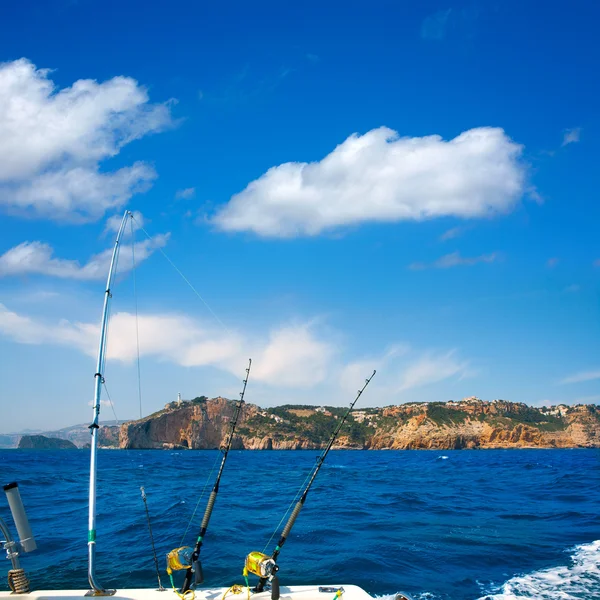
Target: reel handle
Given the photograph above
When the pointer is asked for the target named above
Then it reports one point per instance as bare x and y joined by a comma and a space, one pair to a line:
187, 582
198, 573
274, 587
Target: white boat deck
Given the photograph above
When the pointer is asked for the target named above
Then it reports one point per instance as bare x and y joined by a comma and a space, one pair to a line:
299, 592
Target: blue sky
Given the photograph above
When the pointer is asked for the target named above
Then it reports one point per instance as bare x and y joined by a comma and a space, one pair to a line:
407, 187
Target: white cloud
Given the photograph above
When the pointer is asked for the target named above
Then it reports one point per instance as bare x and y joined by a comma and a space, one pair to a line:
401, 368
452, 234
185, 194
380, 177
52, 142
292, 355
352, 376
455, 260
113, 223
432, 368
571, 136
31, 258
581, 377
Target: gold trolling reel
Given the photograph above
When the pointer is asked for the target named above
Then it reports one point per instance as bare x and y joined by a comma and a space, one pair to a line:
266, 568
182, 559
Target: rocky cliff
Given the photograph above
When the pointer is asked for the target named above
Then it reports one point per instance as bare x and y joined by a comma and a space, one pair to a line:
41, 442
471, 423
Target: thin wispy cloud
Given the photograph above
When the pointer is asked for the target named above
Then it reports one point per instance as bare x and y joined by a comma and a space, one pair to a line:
433, 368
571, 136
53, 142
573, 288
434, 26
185, 194
581, 377
452, 234
597, 263
313, 57
290, 355
401, 368
455, 260
381, 177
37, 258
552, 262
293, 355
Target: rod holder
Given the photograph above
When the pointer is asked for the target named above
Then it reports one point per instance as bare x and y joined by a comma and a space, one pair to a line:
19, 515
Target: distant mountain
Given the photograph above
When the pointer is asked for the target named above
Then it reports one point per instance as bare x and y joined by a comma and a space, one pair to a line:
78, 434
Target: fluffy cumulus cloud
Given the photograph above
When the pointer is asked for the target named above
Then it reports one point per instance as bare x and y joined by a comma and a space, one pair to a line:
113, 223
291, 355
37, 258
381, 177
52, 142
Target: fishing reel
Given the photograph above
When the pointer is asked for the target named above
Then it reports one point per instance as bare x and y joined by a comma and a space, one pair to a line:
266, 568
182, 559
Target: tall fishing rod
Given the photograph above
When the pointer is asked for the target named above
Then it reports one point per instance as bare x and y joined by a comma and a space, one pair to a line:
97, 589
266, 566
180, 558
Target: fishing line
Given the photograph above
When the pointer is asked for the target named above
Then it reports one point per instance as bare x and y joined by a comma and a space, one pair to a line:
186, 558
137, 330
212, 312
200, 497
288, 510
160, 585
266, 567
110, 400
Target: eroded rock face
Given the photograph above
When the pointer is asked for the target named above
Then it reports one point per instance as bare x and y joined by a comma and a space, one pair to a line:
471, 423
197, 426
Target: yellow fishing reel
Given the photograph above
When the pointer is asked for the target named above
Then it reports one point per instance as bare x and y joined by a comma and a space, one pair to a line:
266, 568
179, 559
260, 564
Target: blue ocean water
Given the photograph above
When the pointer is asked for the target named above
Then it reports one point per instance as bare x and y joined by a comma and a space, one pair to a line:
441, 525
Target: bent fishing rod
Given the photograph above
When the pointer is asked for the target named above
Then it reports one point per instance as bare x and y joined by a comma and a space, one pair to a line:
180, 558
266, 566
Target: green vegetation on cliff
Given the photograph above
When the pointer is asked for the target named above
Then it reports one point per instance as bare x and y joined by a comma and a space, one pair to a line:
470, 423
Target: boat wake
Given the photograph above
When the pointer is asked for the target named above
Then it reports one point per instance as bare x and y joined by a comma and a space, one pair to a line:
578, 581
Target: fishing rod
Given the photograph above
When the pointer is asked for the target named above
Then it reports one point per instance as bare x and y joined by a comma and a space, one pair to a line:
185, 557
266, 566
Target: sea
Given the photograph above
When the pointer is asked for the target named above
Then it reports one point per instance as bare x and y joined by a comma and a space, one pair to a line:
439, 525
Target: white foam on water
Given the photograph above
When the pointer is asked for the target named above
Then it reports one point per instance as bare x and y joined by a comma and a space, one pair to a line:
578, 581
442, 457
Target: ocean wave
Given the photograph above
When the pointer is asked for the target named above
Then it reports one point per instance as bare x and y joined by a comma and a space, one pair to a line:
578, 581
